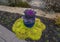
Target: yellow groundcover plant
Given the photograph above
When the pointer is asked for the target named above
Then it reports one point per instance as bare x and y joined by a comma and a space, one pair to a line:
23, 32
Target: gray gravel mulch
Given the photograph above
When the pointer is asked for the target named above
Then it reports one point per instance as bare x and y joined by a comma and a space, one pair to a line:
7, 19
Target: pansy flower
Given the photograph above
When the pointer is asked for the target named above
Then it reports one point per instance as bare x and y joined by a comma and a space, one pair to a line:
30, 13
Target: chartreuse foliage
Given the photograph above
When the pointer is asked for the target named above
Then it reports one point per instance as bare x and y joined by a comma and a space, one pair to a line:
20, 4
57, 21
23, 32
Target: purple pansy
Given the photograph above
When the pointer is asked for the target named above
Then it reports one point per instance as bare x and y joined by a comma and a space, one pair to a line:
30, 13
29, 18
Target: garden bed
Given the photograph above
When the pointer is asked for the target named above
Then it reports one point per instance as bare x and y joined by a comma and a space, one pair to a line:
51, 34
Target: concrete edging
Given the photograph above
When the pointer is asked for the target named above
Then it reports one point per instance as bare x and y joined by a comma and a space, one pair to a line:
21, 10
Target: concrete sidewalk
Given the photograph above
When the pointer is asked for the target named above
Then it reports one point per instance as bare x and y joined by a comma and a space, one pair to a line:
8, 36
